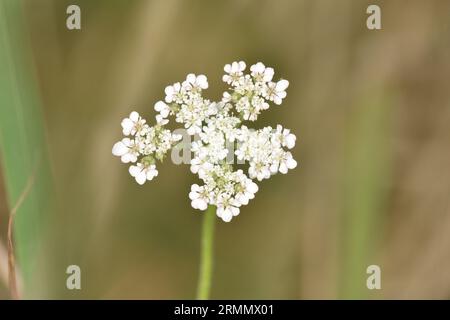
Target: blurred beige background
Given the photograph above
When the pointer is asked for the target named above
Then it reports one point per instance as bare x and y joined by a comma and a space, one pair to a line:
371, 110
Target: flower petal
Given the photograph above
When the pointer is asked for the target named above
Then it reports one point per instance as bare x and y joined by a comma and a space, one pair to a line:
226, 215
141, 177
202, 81
291, 163
134, 116
160, 105
282, 85
119, 149
127, 126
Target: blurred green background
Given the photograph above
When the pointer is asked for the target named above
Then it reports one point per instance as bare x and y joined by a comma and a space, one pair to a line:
371, 110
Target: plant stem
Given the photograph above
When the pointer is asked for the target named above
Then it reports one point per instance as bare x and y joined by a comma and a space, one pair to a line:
206, 258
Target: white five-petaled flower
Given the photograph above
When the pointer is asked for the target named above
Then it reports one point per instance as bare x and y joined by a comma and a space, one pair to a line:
218, 128
175, 93
227, 207
194, 82
246, 188
162, 108
142, 172
133, 125
127, 150
287, 162
276, 91
286, 137
259, 171
234, 72
261, 73
199, 197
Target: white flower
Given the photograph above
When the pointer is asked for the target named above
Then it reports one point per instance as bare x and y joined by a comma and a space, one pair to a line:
199, 197
261, 73
143, 172
175, 93
259, 171
226, 97
162, 108
251, 109
276, 92
287, 138
243, 106
193, 112
133, 125
287, 162
201, 165
245, 85
227, 207
164, 112
194, 82
234, 72
246, 188
127, 150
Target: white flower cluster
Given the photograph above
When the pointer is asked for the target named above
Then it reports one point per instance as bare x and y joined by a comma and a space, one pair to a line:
220, 135
142, 146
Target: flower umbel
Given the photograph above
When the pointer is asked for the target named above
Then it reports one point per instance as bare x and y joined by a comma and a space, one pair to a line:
217, 127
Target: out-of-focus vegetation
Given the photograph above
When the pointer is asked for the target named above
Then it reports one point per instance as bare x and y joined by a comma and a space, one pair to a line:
370, 109
23, 150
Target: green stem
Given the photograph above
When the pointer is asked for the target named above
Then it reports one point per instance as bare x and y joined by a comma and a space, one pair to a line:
206, 259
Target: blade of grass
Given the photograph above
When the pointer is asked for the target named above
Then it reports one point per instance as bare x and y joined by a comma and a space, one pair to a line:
366, 179
22, 143
12, 280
